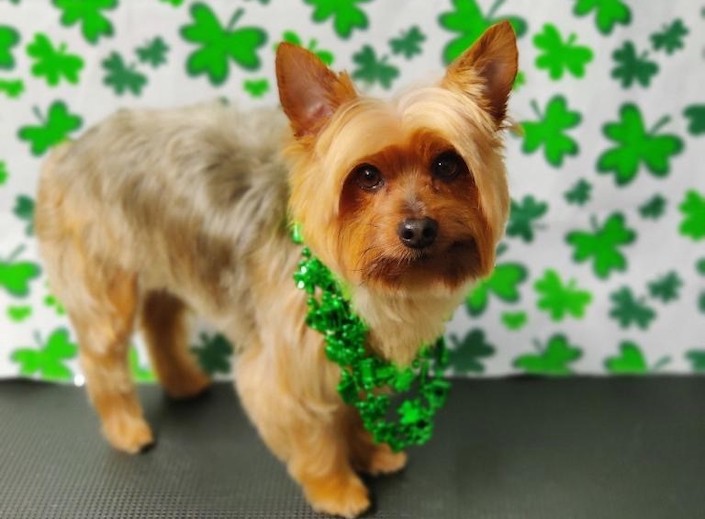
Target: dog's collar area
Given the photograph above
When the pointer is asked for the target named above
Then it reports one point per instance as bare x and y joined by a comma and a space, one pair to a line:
365, 379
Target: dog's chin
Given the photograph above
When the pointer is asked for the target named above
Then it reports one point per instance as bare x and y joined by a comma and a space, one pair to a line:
449, 267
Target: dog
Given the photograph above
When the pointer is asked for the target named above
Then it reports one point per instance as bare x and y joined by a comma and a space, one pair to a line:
152, 214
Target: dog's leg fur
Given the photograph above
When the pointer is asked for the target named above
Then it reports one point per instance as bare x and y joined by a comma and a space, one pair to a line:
366, 455
163, 323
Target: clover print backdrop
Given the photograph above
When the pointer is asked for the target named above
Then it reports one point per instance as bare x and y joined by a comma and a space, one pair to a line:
603, 266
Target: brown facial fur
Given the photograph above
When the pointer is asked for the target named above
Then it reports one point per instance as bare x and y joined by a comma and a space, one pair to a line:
154, 213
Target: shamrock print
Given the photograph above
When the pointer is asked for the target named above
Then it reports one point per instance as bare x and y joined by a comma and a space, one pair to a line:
671, 38
15, 276
558, 57
631, 361
121, 77
632, 67
696, 119
514, 320
693, 209
628, 310
503, 283
666, 288
466, 355
89, 15
54, 129
468, 20
608, 13
408, 44
637, 145
24, 210
347, 15
602, 245
153, 53
653, 208
522, 216
549, 131
213, 353
9, 37
12, 88
579, 194
48, 358
3, 173
554, 358
219, 45
256, 87
559, 299
372, 69
53, 64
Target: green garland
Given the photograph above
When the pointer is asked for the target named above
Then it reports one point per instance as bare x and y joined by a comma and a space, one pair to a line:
365, 379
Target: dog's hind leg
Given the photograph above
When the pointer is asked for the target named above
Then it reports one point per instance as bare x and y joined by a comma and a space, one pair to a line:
163, 323
104, 327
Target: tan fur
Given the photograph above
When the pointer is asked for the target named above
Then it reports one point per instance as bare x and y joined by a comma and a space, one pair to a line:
154, 213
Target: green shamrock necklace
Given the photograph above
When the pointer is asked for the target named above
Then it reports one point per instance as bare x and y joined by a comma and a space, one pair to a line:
365, 380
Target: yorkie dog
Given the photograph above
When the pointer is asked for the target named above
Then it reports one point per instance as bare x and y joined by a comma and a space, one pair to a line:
153, 213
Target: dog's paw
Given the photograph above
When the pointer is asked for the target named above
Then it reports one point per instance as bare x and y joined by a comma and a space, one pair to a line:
385, 461
340, 496
191, 384
128, 434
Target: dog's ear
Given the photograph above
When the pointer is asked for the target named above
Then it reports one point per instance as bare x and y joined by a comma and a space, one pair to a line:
493, 61
308, 91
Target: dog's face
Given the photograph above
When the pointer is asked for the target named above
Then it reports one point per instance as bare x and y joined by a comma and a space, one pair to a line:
405, 195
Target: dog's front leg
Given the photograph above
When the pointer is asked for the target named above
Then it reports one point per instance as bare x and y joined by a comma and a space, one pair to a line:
306, 430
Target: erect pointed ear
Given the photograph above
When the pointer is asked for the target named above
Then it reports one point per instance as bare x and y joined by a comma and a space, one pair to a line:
493, 61
308, 91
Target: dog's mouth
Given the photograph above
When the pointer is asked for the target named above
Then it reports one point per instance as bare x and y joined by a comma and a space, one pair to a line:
451, 265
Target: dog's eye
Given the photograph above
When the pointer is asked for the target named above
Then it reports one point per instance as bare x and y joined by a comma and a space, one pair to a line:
447, 165
368, 177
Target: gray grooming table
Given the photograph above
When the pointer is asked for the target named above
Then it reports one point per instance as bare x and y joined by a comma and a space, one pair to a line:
504, 448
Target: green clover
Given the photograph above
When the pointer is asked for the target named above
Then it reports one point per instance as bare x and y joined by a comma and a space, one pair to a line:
467, 19
121, 77
174, 3
24, 210
153, 52
503, 283
53, 130
666, 287
559, 299
325, 56
522, 217
12, 88
631, 361
579, 194
696, 119
139, 373
700, 266
372, 69
608, 13
693, 209
16, 275
514, 320
670, 39
550, 131
465, 356
602, 245
19, 313
697, 359
553, 359
256, 87
218, 44
213, 353
88, 13
632, 67
9, 37
557, 56
653, 208
636, 146
628, 310
53, 64
3, 172
408, 44
346, 14
48, 359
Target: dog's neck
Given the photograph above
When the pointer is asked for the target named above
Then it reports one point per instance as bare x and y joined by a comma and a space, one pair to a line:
401, 323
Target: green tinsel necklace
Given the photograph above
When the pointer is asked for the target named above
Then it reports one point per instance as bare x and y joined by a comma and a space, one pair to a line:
365, 380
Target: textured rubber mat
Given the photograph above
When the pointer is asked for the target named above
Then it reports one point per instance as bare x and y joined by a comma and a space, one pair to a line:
510, 448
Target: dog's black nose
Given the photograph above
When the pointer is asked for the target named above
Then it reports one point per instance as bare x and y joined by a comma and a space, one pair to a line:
418, 233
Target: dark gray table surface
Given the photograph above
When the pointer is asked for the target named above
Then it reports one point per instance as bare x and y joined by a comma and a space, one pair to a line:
504, 448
